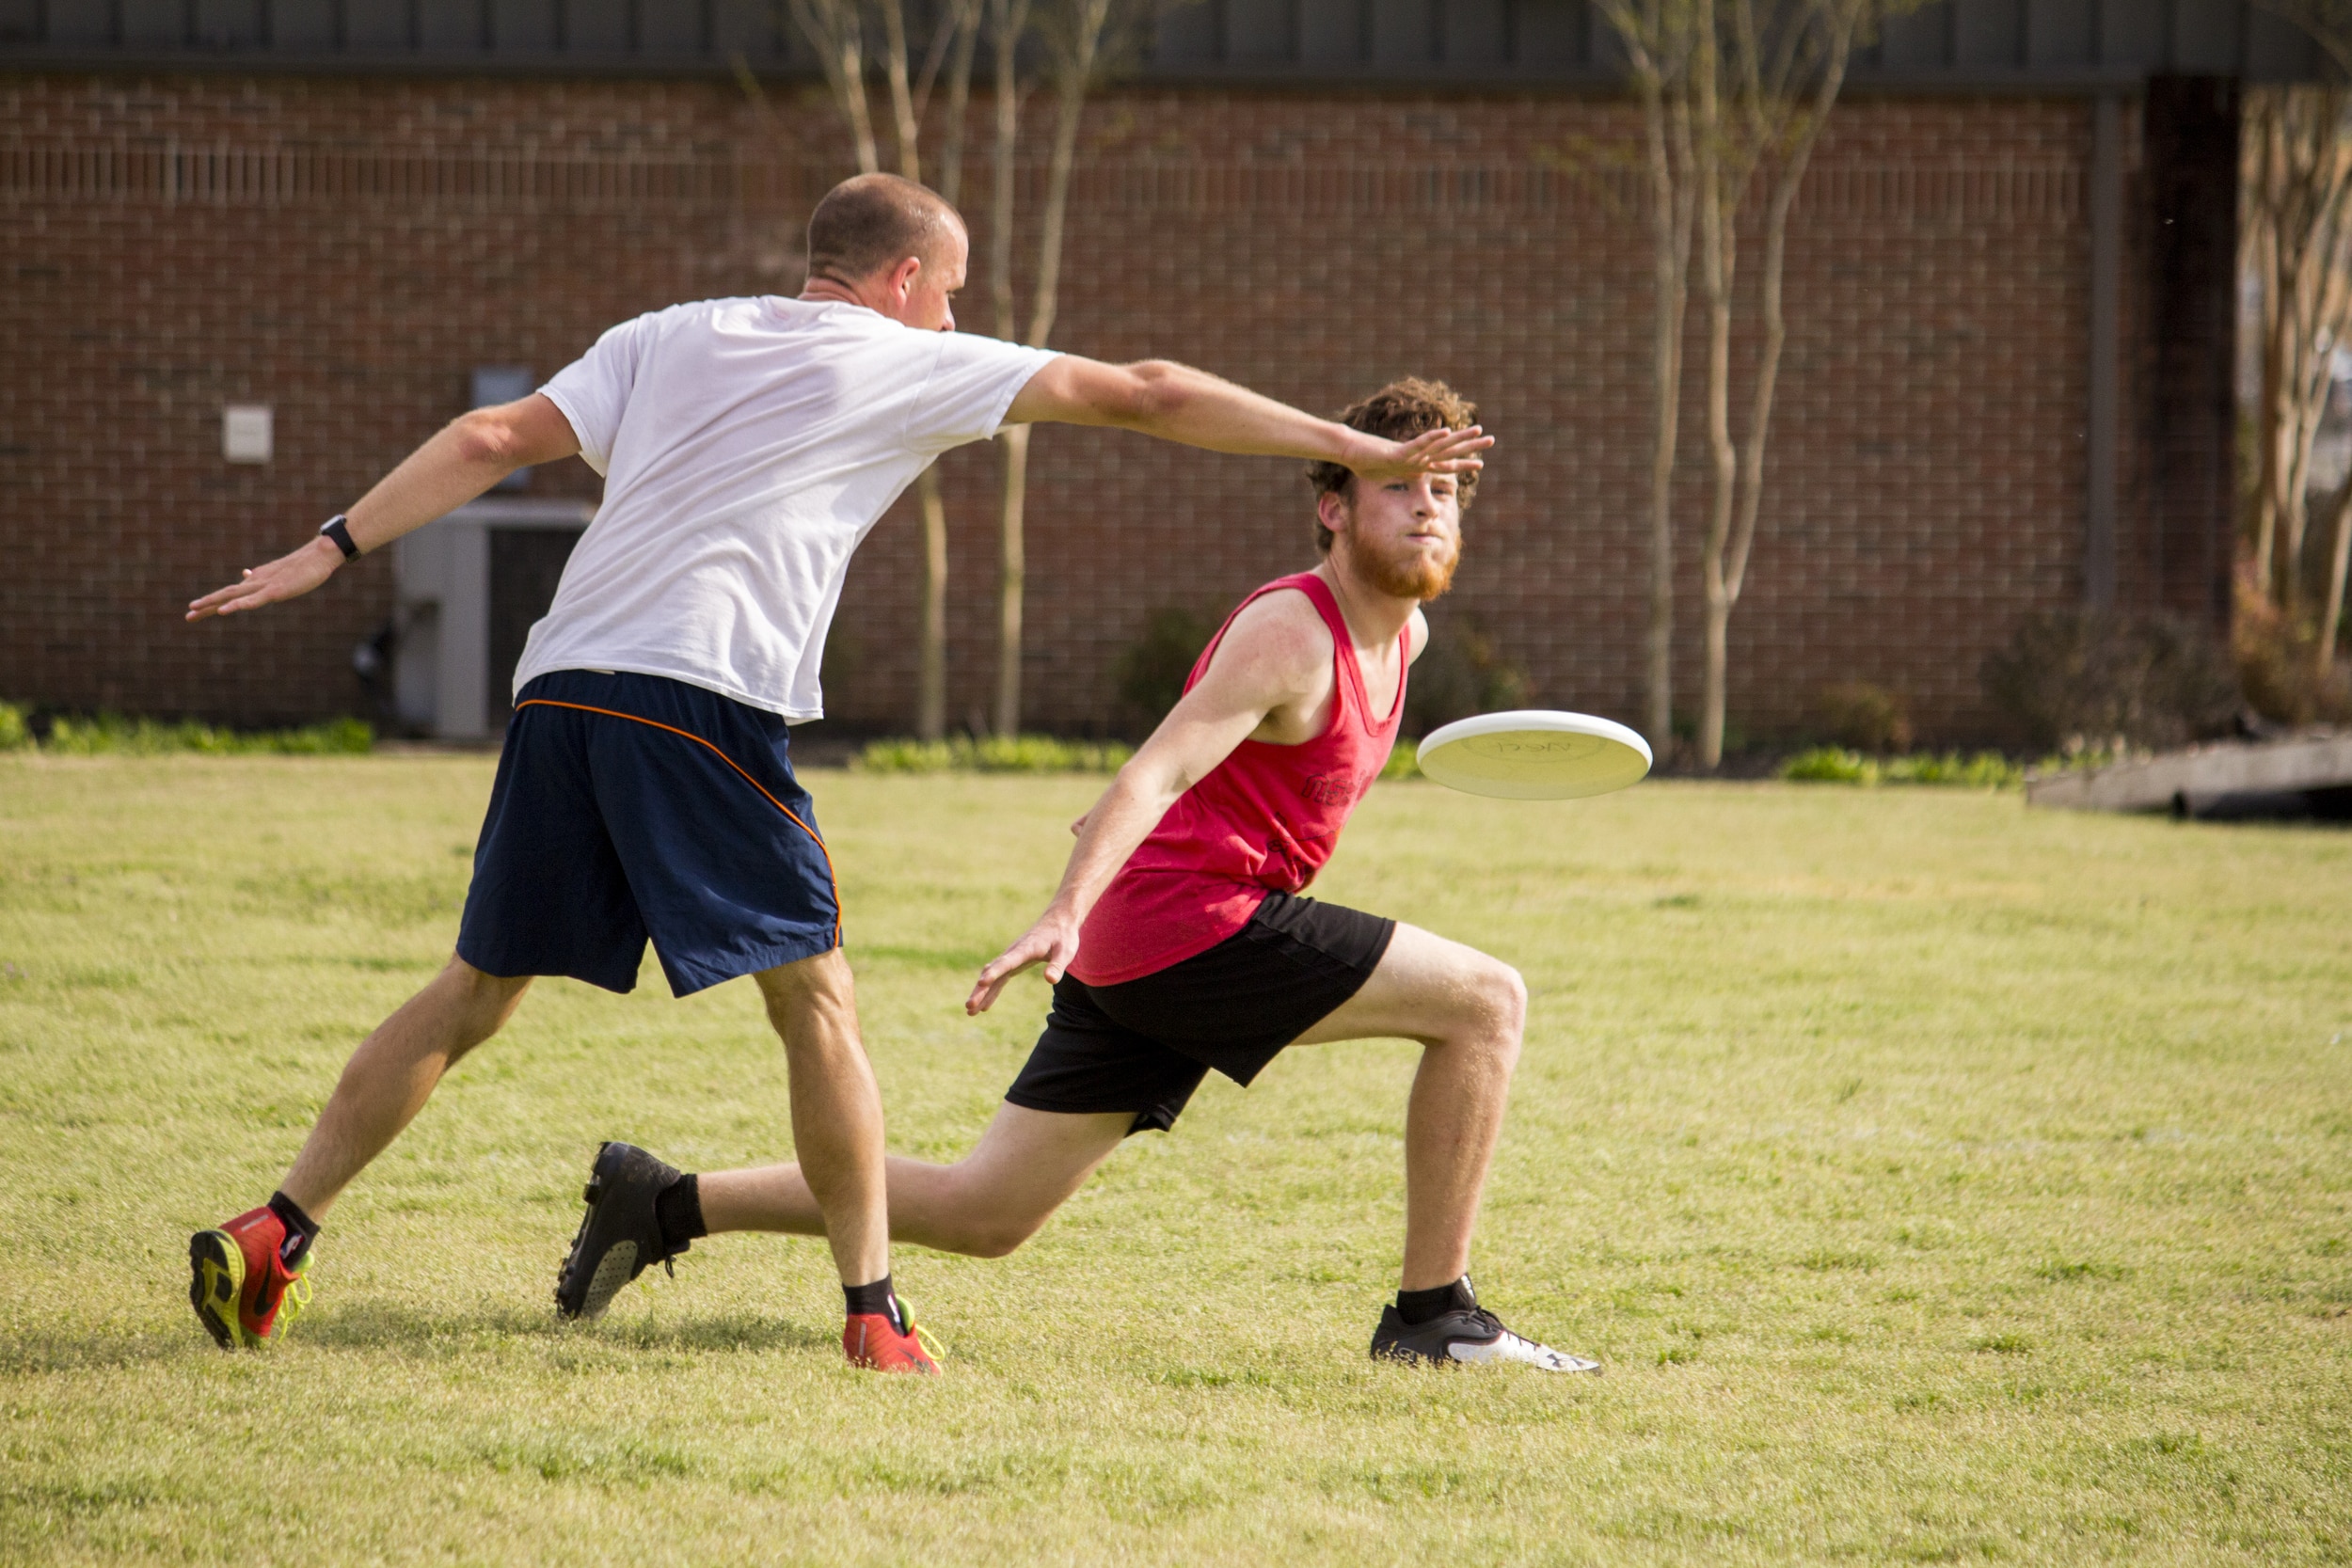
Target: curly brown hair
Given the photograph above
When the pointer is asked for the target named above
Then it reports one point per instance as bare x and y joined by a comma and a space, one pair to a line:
1398, 412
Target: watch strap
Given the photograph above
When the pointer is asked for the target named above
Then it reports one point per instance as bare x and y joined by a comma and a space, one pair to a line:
338, 527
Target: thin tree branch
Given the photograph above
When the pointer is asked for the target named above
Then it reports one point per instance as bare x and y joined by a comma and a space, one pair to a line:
833, 29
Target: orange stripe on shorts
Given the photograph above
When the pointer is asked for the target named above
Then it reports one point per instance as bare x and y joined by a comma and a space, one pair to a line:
829, 877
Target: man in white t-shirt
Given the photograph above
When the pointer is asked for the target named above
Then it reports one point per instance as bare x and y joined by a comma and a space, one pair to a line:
646, 788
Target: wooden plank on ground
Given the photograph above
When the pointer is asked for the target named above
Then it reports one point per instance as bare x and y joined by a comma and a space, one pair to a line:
2158, 784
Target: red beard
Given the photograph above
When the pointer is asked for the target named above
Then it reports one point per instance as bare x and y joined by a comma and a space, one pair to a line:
1408, 574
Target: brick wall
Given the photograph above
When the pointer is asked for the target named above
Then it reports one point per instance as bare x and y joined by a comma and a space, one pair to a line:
345, 250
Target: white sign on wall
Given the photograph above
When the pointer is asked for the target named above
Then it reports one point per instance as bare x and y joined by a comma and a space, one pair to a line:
245, 432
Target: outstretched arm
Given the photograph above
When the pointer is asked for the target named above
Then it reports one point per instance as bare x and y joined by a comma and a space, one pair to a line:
1177, 402
470, 454
1269, 656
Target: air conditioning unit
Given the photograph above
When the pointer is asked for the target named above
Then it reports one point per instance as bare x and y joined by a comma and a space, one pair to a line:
469, 586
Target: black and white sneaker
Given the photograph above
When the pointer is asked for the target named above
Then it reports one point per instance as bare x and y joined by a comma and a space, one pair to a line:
620, 1237
1468, 1333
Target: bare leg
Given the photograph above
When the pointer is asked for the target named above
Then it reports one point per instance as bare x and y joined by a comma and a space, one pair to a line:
836, 1109
391, 1075
1024, 1166
1467, 1011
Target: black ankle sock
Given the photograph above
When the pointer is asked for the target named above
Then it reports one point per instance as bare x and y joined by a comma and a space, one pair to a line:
1420, 1307
301, 1229
877, 1297
678, 1210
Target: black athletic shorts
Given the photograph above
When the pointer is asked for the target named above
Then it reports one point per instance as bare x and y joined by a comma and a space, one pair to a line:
1145, 1044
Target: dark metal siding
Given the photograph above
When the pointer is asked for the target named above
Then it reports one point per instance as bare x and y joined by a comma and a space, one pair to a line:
457, 37
2065, 45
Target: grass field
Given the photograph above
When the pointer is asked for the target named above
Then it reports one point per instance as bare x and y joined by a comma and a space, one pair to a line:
1940, 1181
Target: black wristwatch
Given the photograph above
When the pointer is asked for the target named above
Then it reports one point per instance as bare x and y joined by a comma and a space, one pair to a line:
338, 528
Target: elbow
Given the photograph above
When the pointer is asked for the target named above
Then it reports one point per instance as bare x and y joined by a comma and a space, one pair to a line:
1151, 782
485, 440
1151, 393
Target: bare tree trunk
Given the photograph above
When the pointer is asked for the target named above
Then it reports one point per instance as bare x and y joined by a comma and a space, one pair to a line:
1012, 576
1657, 37
959, 101
1074, 69
2297, 220
2264, 244
2331, 617
1008, 21
834, 29
905, 122
1794, 160
1076, 76
930, 681
1718, 263
2332, 308
930, 684
930, 691
1780, 105
1670, 201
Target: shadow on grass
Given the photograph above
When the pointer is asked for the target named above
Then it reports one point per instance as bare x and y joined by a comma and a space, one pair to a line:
388, 1326
382, 1324
68, 1352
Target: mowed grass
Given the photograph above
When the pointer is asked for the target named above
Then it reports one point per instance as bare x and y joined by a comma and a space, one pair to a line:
1940, 1181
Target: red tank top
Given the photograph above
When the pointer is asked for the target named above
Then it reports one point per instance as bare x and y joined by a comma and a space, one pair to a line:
1267, 817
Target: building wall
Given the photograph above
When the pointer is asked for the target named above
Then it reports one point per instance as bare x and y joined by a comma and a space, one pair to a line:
346, 249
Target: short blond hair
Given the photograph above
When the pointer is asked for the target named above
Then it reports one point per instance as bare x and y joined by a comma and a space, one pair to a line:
872, 221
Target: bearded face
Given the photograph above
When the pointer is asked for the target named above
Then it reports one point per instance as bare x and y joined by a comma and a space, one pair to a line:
1401, 549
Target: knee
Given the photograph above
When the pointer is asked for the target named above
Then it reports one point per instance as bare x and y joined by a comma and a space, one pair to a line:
986, 1234
998, 1240
481, 1002
813, 986
1502, 1009
1504, 997
985, 1226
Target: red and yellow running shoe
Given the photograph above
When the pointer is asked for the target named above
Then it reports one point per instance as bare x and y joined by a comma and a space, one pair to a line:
243, 1290
873, 1340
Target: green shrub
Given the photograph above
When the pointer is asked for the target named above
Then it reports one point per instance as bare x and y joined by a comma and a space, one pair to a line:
1986, 771
1027, 753
1460, 674
335, 738
2276, 656
2080, 676
1864, 718
2089, 758
1405, 762
15, 734
1149, 673
1830, 765
112, 735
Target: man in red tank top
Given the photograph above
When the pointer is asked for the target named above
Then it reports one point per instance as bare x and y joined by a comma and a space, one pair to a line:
1177, 941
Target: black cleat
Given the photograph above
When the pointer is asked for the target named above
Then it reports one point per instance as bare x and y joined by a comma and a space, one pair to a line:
620, 1236
1469, 1332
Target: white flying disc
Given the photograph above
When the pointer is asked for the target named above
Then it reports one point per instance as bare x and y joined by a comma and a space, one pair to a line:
1535, 755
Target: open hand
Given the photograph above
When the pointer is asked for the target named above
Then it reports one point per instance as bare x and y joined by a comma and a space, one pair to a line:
1433, 451
288, 577
1053, 941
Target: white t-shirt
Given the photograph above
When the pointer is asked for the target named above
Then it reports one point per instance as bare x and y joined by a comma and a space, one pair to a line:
748, 446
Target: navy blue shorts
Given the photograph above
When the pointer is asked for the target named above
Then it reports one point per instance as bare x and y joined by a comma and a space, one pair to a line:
630, 806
